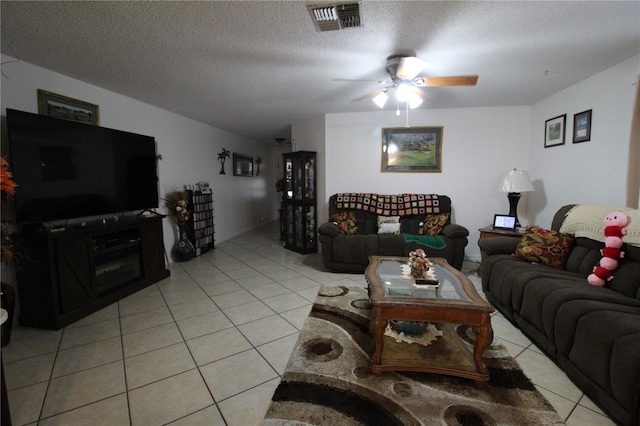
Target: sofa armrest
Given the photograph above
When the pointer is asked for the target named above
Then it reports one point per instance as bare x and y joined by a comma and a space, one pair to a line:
329, 229
498, 245
454, 231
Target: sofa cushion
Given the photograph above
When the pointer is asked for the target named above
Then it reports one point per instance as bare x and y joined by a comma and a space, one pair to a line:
544, 246
410, 224
584, 255
346, 222
618, 334
433, 224
390, 245
355, 249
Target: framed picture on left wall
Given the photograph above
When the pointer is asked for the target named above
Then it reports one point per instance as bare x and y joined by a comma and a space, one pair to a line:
554, 130
59, 106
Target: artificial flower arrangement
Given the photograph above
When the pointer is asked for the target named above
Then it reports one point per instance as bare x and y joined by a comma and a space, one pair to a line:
419, 263
8, 187
280, 185
176, 203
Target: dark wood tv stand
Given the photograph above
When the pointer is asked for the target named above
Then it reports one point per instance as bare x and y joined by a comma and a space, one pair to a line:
68, 274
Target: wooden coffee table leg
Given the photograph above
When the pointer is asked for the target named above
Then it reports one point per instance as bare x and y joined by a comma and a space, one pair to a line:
484, 337
376, 327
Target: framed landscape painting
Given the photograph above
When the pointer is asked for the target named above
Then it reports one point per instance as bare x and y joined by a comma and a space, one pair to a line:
412, 149
59, 106
554, 131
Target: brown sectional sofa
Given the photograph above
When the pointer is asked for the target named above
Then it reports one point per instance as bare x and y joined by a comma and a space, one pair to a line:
350, 253
592, 333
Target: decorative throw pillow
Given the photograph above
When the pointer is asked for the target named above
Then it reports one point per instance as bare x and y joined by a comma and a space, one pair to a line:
389, 228
387, 219
346, 222
433, 224
544, 246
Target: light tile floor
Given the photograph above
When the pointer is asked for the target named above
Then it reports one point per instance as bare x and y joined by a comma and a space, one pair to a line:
206, 346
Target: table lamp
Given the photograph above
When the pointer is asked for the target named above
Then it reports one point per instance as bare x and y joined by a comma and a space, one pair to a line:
514, 182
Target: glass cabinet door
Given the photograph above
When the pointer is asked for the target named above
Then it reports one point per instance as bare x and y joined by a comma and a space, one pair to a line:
300, 177
288, 178
309, 178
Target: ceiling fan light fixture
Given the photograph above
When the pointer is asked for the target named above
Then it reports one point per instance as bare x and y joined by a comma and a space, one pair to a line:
381, 98
414, 100
404, 92
409, 67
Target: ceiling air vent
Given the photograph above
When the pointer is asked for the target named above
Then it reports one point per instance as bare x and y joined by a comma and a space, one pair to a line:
335, 16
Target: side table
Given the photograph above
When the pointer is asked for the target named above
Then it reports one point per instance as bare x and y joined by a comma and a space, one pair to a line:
489, 232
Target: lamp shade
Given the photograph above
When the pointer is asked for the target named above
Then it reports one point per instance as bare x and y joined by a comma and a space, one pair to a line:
381, 98
515, 181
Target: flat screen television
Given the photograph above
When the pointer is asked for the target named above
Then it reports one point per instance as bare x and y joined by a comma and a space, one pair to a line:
68, 170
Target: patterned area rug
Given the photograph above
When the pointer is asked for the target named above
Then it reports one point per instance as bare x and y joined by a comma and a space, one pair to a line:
327, 380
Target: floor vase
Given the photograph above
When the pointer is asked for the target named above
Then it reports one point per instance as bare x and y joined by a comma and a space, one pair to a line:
183, 250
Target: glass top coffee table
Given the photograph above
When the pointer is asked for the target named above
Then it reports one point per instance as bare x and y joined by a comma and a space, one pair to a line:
453, 306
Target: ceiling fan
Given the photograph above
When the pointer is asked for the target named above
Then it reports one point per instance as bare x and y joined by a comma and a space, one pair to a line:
404, 71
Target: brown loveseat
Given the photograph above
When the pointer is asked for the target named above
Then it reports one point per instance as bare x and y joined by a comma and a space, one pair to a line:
592, 333
356, 229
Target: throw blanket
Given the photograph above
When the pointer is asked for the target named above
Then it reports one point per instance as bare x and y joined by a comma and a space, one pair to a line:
390, 205
431, 241
587, 220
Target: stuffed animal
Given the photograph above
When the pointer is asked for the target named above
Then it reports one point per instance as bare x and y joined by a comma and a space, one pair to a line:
614, 224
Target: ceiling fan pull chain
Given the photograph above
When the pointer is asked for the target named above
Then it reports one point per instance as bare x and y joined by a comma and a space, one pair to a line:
407, 119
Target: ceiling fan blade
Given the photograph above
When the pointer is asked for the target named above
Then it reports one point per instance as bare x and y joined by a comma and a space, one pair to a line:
368, 95
349, 80
467, 80
409, 67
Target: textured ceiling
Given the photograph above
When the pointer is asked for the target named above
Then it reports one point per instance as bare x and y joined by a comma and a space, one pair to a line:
255, 67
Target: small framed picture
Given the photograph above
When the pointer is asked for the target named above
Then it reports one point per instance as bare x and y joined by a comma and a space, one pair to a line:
59, 106
242, 165
554, 130
582, 127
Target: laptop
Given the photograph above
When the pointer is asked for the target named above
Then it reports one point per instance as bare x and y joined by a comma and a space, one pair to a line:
501, 221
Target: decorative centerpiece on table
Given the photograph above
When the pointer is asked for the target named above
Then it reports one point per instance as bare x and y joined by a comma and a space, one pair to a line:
419, 263
176, 203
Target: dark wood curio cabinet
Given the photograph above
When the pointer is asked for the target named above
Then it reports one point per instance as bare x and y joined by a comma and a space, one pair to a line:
300, 206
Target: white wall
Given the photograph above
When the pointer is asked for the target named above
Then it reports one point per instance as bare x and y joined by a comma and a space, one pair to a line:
591, 172
189, 148
478, 145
